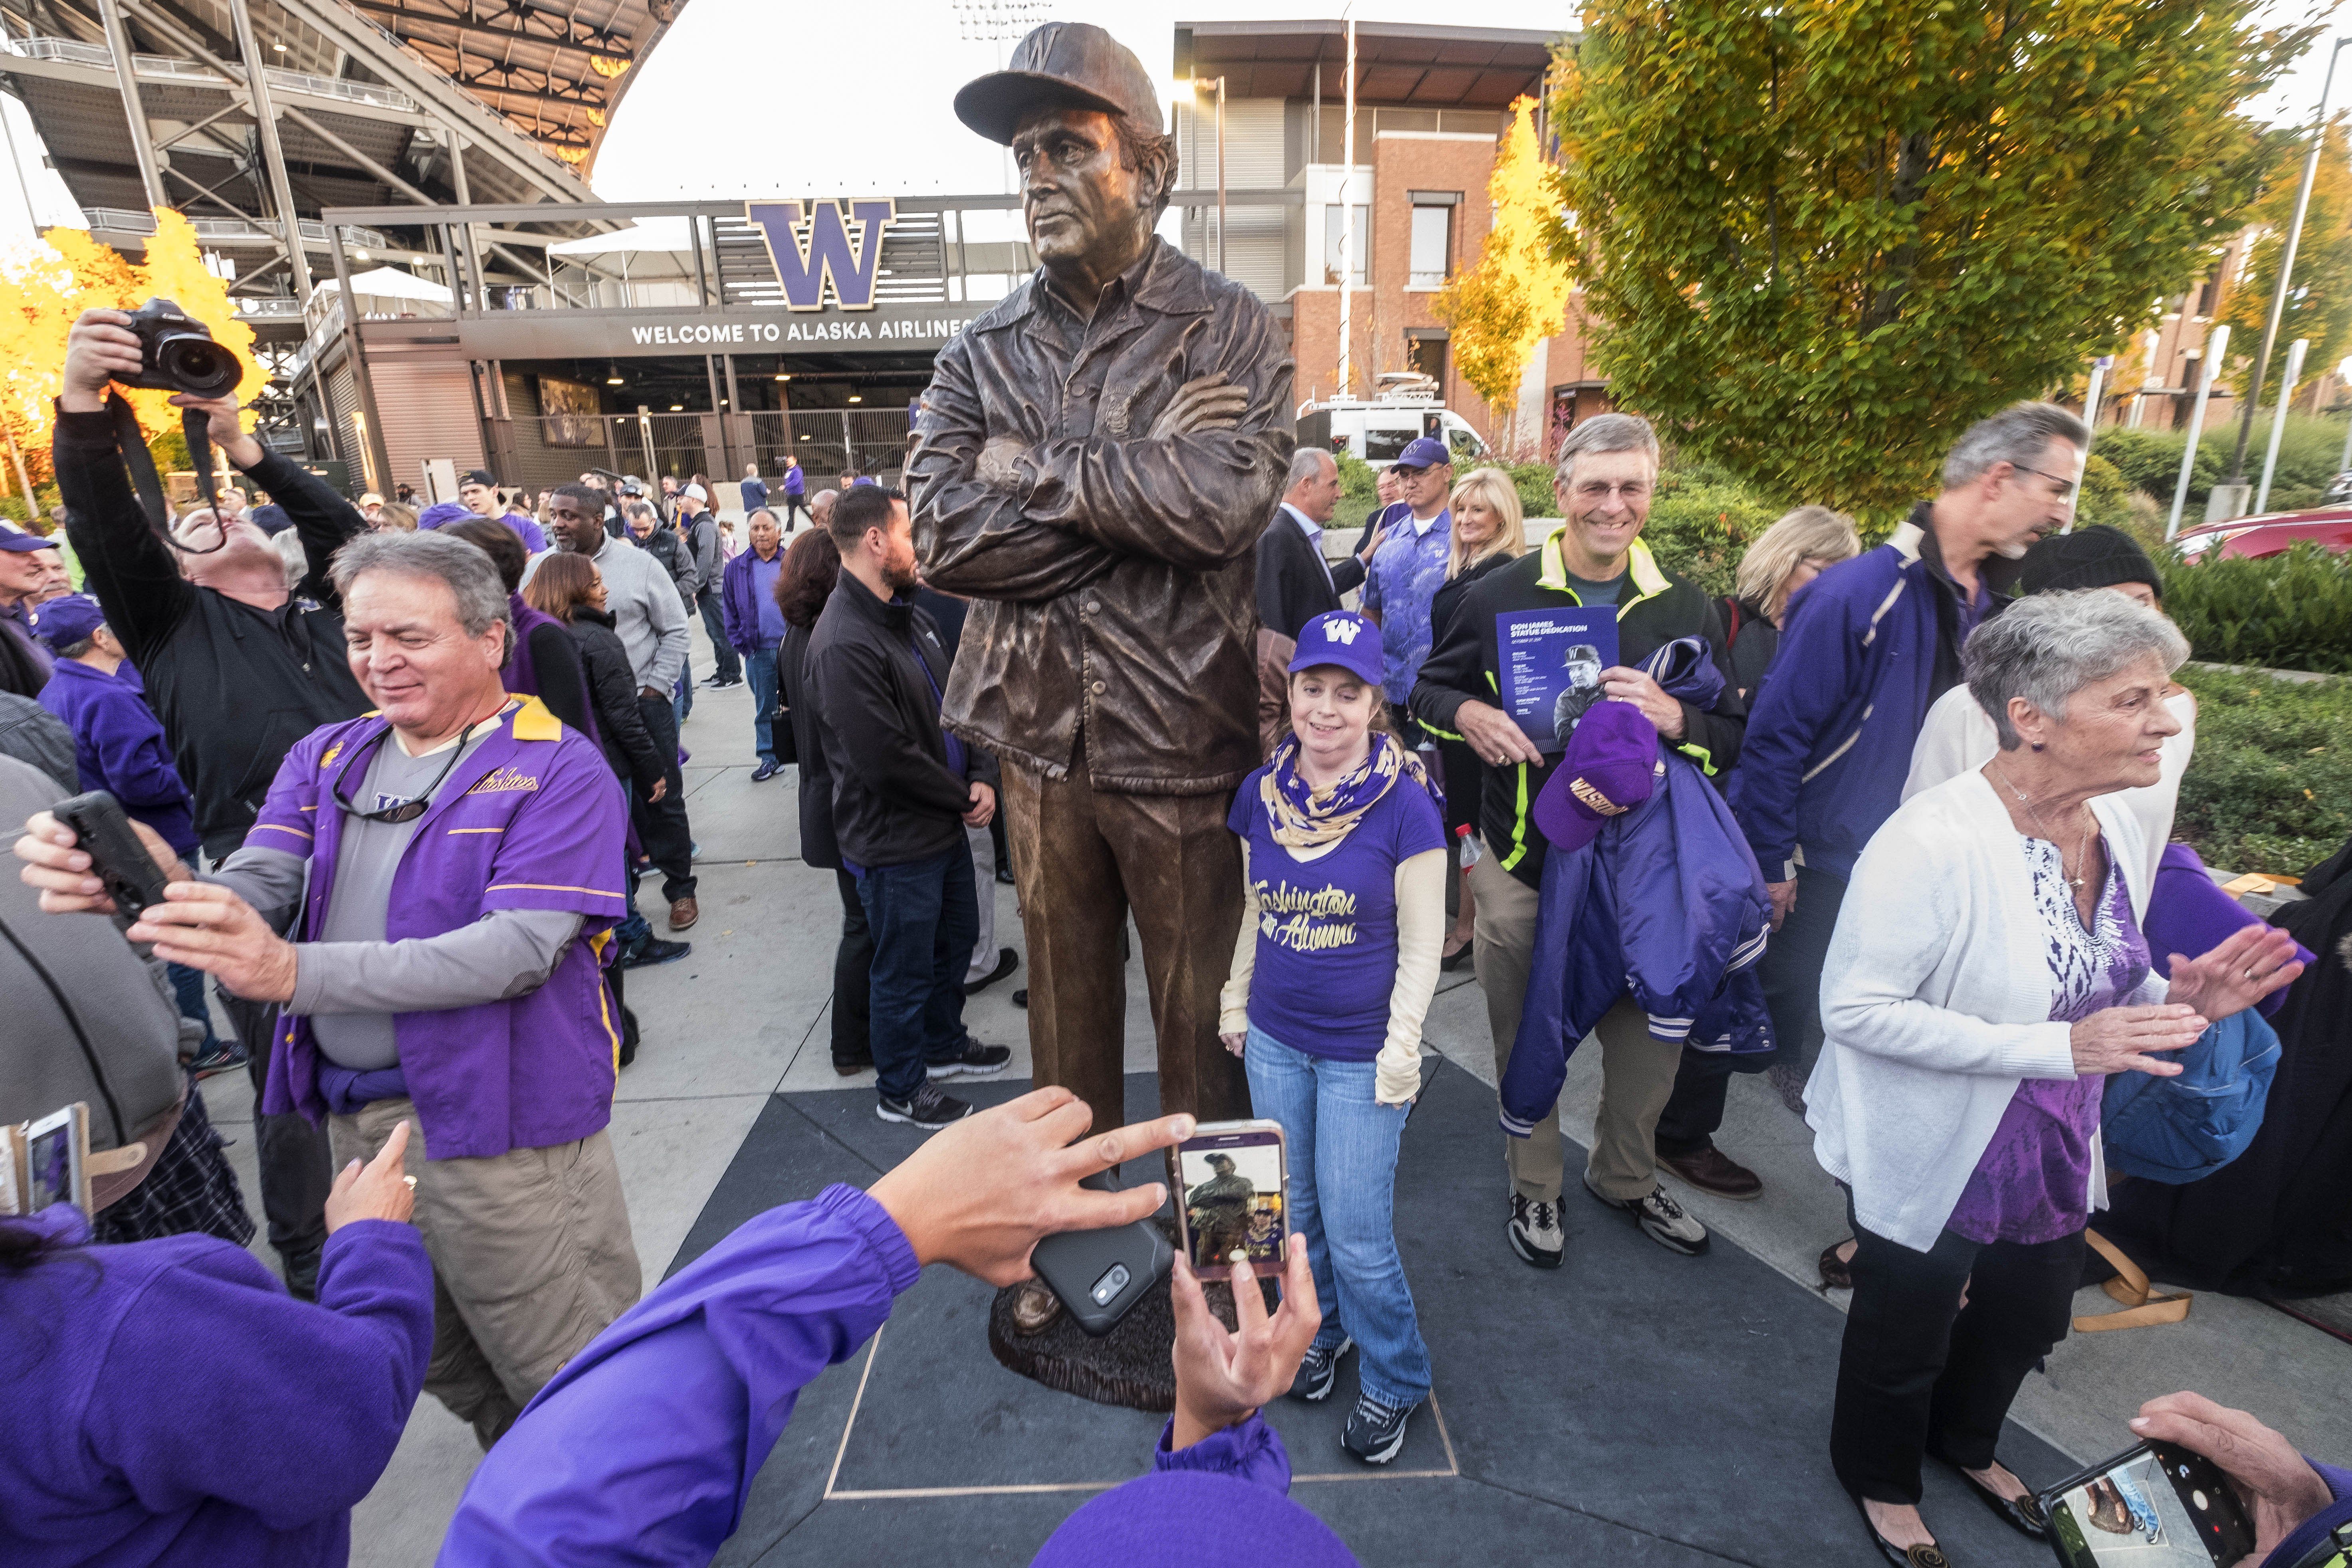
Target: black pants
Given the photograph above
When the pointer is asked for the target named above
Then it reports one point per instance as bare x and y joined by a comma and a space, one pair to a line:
1694, 1109
853, 978
1920, 1373
1790, 970
296, 1169
714, 621
794, 506
662, 826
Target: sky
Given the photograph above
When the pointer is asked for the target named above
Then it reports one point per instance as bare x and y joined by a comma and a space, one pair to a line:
750, 98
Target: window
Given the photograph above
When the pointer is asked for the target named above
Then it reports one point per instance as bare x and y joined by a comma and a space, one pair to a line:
1359, 244
1424, 350
1433, 239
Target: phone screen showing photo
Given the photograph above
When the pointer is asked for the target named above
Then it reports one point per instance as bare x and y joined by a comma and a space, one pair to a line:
51, 1178
1233, 1198
2155, 1508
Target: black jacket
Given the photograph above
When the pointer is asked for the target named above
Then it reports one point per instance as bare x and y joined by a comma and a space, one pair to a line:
818, 846
1462, 667
1293, 588
613, 688
1752, 639
876, 667
665, 546
235, 687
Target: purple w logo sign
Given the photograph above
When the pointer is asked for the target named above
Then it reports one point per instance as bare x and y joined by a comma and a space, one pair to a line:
814, 254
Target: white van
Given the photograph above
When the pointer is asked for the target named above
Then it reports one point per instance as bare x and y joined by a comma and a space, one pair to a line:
1377, 432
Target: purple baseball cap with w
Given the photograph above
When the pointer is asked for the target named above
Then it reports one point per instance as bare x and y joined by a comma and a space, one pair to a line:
1340, 638
1607, 771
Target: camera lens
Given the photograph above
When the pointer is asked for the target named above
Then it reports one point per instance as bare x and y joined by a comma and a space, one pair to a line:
197, 365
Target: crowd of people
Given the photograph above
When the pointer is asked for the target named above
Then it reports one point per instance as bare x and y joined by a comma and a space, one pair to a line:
1891, 826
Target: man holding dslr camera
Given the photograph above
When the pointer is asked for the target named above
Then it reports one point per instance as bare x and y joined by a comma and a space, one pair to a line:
236, 666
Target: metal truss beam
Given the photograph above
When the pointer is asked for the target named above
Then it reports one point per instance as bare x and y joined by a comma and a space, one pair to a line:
401, 18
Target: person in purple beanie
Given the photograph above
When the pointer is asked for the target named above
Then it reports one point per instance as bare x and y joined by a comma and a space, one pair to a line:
100, 1464
644, 1446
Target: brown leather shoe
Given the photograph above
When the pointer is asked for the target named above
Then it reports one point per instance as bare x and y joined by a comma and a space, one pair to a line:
683, 913
1034, 1307
1714, 1171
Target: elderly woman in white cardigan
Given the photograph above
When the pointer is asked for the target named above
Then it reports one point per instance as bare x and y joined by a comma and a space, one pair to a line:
1987, 974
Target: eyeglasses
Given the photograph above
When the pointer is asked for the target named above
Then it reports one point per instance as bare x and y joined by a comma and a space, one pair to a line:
408, 810
1632, 491
2065, 486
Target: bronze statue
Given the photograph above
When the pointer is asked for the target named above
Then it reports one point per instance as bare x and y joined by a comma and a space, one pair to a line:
1096, 457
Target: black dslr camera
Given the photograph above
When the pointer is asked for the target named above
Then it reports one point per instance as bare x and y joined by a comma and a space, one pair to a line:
177, 353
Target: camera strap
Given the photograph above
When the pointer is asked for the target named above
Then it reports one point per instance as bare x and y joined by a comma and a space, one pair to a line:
131, 442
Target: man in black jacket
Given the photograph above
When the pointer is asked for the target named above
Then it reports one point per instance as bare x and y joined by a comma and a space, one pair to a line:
903, 793
1295, 582
1607, 474
236, 667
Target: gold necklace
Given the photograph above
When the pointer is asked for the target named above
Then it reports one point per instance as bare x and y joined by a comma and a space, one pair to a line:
2082, 849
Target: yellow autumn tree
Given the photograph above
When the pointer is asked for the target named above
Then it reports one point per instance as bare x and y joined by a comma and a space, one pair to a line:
1502, 309
47, 285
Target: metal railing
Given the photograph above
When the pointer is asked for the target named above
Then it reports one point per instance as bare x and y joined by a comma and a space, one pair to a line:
268, 307
74, 51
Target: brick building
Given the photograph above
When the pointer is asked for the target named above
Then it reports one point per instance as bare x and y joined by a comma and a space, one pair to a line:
1430, 103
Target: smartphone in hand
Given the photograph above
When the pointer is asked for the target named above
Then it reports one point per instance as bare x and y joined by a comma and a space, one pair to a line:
2153, 1505
1232, 1180
103, 830
1101, 1275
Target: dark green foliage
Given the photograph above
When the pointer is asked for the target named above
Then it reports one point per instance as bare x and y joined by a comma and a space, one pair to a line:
2149, 460
2288, 612
2271, 788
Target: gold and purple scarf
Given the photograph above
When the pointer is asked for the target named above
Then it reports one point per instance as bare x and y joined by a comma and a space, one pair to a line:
1303, 820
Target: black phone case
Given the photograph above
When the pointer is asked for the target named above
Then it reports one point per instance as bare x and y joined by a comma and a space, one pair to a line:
1075, 1265
2048, 1497
102, 831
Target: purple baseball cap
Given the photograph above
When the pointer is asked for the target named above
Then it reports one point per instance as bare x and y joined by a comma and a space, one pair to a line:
1343, 638
16, 536
1421, 452
66, 619
442, 513
1608, 770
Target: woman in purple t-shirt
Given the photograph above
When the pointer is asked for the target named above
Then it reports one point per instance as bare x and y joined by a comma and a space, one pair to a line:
1334, 966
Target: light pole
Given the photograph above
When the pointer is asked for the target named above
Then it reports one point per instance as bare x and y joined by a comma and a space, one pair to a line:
2216, 346
1199, 84
2294, 353
2286, 270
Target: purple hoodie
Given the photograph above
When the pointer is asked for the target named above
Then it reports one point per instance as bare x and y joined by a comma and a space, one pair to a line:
643, 1447
159, 1393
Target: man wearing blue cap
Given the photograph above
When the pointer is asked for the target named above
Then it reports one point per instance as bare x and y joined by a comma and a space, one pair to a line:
28, 562
1409, 568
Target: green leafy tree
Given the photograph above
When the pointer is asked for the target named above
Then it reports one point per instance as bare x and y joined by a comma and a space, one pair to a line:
1503, 309
1821, 236
2319, 299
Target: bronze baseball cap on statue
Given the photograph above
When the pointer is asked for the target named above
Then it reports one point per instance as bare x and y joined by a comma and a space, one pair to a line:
1062, 65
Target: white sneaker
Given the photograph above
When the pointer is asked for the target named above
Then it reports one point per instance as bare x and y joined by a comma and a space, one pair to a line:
1533, 1232
1662, 1219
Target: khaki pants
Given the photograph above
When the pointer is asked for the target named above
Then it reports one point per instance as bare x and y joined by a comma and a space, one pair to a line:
1637, 1073
531, 1259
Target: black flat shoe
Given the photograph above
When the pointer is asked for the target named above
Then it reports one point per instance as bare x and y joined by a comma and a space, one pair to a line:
2022, 1515
1929, 1556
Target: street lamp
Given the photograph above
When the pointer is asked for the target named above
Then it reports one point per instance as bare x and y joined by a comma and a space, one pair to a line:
2285, 273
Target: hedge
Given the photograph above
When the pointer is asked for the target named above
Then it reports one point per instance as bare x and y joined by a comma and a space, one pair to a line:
2271, 788
2149, 460
2285, 611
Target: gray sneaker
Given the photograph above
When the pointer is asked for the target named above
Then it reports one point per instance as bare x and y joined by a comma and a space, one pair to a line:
1533, 1231
1662, 1219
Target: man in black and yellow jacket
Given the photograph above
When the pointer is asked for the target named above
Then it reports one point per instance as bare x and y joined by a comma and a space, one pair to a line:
1606, 477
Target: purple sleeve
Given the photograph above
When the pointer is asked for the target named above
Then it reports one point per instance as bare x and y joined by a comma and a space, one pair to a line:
2304, 1538
334, 1383
1251, 1452
1238, 819
2188, 913
643, 1447
1818, 665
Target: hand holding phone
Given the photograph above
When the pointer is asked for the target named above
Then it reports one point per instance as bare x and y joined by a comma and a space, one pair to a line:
2274, 1481
79, 853
1222, 1377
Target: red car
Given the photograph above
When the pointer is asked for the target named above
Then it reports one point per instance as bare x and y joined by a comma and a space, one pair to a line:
2272, 534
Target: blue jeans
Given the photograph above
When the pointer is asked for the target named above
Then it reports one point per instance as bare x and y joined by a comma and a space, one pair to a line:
681, 696
1343, 1158
188, 987
924, 918
714, 621
760, 670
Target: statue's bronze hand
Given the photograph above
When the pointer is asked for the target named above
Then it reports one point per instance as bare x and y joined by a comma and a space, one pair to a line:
996, 463
1209, 403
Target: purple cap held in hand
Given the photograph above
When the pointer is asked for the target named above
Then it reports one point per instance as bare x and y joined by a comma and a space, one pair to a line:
1608, 770
1340, 638
1421, 452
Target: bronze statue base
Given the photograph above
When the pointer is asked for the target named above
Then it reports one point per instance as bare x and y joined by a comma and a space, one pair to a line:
1132, 1365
